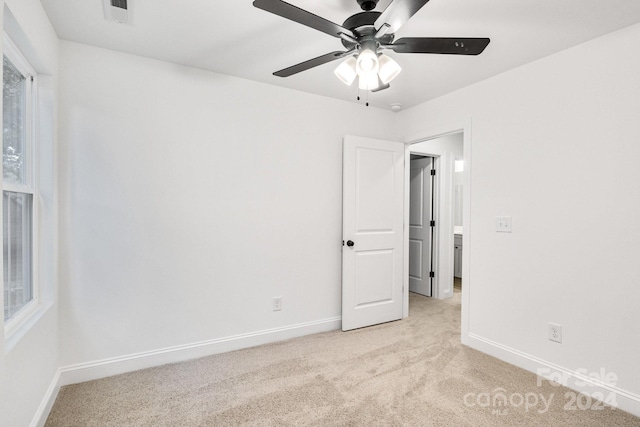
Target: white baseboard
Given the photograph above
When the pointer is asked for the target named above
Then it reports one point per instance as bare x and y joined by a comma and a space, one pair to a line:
40, 417
578, 381
118, 365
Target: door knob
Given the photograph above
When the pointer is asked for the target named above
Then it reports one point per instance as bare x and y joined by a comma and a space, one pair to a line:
350, 243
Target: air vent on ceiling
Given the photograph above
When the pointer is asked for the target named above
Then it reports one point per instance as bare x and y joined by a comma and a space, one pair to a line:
116, 11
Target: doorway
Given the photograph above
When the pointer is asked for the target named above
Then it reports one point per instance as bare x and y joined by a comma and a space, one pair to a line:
445, 150
430, 142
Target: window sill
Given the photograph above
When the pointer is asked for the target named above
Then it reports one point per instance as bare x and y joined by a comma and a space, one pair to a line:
14, 333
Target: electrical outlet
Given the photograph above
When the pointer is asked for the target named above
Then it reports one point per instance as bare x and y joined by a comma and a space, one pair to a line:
277, 303
555, 332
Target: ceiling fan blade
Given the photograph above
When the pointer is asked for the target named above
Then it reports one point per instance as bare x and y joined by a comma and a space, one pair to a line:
303, 66
451, 46
399, 12
301, 16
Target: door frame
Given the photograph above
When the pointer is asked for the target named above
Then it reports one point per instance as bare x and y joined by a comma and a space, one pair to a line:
444, 255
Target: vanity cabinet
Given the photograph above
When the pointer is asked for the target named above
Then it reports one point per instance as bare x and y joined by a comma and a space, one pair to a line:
457, 255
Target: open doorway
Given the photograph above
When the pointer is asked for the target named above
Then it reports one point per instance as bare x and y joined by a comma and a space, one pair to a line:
444, 242
446, 151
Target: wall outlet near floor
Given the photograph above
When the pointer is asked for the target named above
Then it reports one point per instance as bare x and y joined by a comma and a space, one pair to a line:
277, 303
555, 332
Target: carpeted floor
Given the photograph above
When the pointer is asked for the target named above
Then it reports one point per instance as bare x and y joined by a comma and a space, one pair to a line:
412, 372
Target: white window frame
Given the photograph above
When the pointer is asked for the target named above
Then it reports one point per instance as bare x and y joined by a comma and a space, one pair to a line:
24, 315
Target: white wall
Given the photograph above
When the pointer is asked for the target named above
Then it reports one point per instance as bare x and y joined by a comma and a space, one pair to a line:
190, 199
451, 143
29, 358
555, 146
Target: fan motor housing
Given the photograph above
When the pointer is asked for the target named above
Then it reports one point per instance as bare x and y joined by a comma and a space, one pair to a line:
362, 25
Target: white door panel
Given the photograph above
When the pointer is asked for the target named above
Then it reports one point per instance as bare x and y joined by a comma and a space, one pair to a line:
373, 180
415, 258
416, 195
419, 226
375, 186
374, 281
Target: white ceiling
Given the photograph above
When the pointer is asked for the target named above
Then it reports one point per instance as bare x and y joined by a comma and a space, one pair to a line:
233, 37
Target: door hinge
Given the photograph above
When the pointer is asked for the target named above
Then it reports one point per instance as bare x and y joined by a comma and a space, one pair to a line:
432, 223
432, 274
433, 172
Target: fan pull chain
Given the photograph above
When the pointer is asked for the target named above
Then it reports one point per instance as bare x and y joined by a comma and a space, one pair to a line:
366, 97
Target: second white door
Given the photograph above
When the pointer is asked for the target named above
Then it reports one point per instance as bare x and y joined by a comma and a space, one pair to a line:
420, 235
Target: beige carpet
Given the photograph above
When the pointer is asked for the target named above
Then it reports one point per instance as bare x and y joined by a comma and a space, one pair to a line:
412, 372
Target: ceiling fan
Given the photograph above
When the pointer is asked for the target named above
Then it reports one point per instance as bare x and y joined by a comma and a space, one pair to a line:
365, 35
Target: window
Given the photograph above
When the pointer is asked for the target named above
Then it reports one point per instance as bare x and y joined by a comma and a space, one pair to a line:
20, 291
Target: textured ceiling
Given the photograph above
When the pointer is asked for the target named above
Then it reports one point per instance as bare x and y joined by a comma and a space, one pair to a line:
233, 37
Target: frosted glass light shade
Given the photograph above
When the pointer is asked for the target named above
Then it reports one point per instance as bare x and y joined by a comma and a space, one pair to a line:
346, 71
367, 63
368, 82
389, 69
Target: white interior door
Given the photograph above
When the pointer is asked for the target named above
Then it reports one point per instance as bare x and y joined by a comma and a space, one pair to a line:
420, 202
372, 253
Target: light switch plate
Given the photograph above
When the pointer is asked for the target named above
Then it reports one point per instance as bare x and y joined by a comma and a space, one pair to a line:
503, 224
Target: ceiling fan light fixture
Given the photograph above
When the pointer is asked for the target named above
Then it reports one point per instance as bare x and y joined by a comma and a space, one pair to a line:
346, 71
389, 69
367, 63
364, 34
